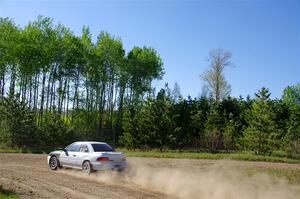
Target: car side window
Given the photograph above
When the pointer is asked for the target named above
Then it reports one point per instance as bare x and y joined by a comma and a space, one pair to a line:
84, 148
73, 147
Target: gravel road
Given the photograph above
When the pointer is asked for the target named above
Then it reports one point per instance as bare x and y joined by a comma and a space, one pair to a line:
29, 176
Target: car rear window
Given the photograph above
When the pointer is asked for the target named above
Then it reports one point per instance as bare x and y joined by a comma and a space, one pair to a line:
102, 147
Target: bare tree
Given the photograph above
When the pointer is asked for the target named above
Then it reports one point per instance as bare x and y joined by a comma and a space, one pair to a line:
176, 95
214, 78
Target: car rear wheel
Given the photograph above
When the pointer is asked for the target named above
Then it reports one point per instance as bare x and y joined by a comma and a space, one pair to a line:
87, 167
53, 163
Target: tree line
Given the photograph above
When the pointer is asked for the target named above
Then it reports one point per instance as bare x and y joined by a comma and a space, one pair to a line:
261, 124
56, 87
68, 82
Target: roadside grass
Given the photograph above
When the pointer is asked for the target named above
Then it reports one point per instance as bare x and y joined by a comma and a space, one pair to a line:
247, 156
6, 194
276, 156
291, 175
26, 150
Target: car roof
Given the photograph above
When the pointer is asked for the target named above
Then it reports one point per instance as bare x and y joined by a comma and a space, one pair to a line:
90, 142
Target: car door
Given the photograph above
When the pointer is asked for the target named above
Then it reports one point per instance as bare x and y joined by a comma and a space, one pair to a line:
82, 155
68, 157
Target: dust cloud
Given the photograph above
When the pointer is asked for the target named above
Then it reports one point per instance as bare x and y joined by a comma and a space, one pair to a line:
216, 181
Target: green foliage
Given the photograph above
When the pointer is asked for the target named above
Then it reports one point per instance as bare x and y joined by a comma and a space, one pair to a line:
230, 133
57, 87
130, 128
214, 128
17, 123
260, 133
161, 119
153, 119
75, 89
144, 65
54, 131
232, 124
291, 95
293, 131
182, 116
291, 98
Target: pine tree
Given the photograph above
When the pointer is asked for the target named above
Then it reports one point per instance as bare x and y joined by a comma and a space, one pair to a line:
261, 130
198, 118
18, 128
291, 98
214, 128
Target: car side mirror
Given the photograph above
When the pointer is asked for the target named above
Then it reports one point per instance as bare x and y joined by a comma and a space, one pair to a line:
66, 152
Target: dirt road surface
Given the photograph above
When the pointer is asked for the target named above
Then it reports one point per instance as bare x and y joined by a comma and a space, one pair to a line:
29, 176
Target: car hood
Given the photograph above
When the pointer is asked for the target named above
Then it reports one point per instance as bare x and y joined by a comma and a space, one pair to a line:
55, 152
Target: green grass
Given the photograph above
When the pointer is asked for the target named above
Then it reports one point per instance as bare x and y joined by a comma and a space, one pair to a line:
247, 156
25, 150
292, 175
213, 156
6, 194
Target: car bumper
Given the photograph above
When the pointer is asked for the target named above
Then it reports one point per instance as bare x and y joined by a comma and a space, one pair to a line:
109, 165
48, 159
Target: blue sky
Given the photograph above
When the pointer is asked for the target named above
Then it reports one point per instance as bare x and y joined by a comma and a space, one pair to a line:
262, 35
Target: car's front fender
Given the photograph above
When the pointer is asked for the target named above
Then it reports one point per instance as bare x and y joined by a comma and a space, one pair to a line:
53, 153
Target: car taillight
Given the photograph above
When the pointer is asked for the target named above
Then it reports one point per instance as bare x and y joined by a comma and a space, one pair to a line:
124, 158
103, 159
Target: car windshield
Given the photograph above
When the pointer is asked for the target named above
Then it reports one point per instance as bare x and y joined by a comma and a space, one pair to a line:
73, 147
102, 147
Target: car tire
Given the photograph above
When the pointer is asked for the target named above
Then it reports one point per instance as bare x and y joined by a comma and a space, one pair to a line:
87, 167
53, 163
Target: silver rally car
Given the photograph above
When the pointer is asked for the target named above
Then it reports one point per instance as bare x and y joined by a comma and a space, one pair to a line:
88, 156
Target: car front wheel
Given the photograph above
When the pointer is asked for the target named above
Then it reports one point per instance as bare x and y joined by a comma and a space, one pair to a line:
53, 163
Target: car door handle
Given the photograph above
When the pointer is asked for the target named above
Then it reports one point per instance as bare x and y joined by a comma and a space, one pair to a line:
74, 155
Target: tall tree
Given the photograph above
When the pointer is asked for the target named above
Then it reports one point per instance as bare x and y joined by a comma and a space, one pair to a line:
214, 127
198, 118
111, 53
176, 95
231, 109
214, 77
260, 133
18, 127
291, 97
144, 65
9, 53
